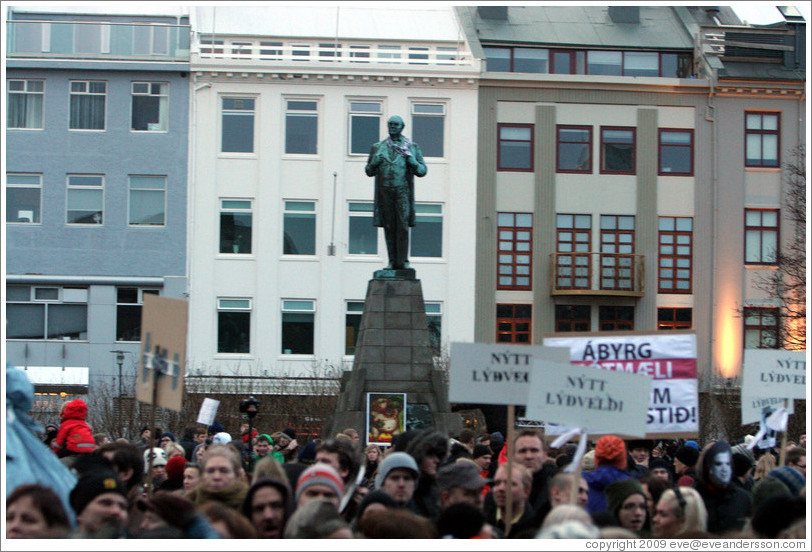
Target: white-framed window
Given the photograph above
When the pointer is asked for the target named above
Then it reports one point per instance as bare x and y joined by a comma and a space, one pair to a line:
234, 325
25, 102
301, 126
427, 234
364, 125
298, 326
352, 324
238, 125
299, 228
46, 312
389, 51
241, 49
150, 104
236, 225
428, 127
446, 55
363, 235
211, 47
23, 198
88, 105
129, 305
434, 318
147, 200
270, 50
328, 51
418, 55
359, 53
85, 204
300, 52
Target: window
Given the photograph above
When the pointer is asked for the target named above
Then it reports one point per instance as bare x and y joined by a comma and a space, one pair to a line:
498, 59
87, 105
129, 305
388, 51
428, 128
150, 104
241, 49
599, 62
270, 50
233, 325
574, 149
617, 252
573, 268
328, 51
515, 148
300, 52
210, 46
426, 239
297, 327
302, 126
25, 99
447, 58
568, 62
238, 125
34, 312
513, 323
676, 152
761, 328
434, 318
530, 60
615, 318
363, 234
147, 201
617, 150
359, 53
418, 53
761, 139
85, 199
236, 222
23, 198
515, 250
641, 64
300, 228
760, 236
352, 324
669, 318
365, 126
572, 318
676, 248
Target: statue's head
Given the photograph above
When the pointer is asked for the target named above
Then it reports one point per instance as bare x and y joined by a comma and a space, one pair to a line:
395, 125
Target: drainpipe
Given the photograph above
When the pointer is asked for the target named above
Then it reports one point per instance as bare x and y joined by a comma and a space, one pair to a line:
710, 116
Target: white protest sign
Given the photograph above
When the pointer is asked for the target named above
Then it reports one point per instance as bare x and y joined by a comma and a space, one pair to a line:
493, 373
774, 373
594, 400
670, 360
208, 410
753, 407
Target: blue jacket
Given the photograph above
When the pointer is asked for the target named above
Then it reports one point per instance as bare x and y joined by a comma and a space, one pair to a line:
598, 480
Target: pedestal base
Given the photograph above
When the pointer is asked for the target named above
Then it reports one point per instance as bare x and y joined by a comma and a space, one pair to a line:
395, 274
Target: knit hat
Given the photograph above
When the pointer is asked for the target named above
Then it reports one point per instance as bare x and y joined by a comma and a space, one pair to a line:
216, 428
647, 444
317, 519
481, 450
618, 491
789, 476
392, 461
610, 451
170, 435
265, 437
159, 458
174, 509
766, 488
459, 474
589, 461
656, 463
319, 474
687, 455
175, 467
92, 485
221, 438
308, 453
741, 464
692, 444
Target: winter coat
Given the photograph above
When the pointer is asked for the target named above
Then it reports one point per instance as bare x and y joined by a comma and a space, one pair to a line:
598, 480
74, 435
232, 496
728, 506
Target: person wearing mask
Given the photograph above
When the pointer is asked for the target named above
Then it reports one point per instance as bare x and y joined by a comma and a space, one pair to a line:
728, 506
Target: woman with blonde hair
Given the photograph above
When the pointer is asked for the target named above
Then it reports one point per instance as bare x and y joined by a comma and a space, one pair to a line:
372, 459
680, 510
269, 466
764, 466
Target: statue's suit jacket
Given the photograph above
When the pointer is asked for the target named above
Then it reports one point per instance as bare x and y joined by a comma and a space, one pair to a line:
390, 155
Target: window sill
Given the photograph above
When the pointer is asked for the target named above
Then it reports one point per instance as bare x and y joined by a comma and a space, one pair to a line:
149, 131
763, 169
362, 258
25, 128
235, 257
227, 356
305, 258
148, 226
301, 157
294, 356
237, 155
97, 130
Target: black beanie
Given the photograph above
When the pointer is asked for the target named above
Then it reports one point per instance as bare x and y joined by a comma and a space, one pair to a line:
481, 450
688, 456
741, 464
92, 485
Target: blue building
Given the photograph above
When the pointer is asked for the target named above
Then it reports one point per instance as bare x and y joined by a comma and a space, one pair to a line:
96, 190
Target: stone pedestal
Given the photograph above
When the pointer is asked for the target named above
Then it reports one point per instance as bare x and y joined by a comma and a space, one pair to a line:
393, 355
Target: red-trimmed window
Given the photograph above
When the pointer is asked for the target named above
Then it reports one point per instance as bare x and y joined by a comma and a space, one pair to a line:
762, 139
573, 267
515, 253
617, 252
612, 318
515, 147
618, 150
761, 328
760, 236
674, 318
676, 152
513, 324
573, 149
675, 254
573, 318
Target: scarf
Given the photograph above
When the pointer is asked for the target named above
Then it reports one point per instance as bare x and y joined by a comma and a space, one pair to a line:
403, 149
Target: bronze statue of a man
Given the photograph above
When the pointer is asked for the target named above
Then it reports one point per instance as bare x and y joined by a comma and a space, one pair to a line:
394, 162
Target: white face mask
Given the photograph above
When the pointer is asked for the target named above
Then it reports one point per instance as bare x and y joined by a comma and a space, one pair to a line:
720, 469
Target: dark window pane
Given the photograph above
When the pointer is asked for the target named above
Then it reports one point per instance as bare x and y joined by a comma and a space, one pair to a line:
300, 234
498, 59
67, 321
25, 321
363, 236
235, 233
352, 325
297, 333
365, 132
516, 155
238, 132
428, 134
233, 332
301, 134
128, 323
427, 237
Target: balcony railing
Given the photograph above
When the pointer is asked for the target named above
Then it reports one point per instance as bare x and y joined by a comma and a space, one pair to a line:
591, 273
98, 40
746, 43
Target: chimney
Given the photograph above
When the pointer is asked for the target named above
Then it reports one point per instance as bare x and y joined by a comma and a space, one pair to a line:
497, 13
795, 58
624, 14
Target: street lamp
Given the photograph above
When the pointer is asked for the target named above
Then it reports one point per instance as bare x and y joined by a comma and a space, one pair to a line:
120, 361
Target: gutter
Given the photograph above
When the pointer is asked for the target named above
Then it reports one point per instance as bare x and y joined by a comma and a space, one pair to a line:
86, 280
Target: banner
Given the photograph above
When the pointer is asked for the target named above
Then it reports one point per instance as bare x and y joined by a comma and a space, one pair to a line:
670, 362
774, 373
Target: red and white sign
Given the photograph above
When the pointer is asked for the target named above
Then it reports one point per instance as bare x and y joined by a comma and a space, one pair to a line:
670, 360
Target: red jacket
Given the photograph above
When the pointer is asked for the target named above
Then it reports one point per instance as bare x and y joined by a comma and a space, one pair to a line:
74, 435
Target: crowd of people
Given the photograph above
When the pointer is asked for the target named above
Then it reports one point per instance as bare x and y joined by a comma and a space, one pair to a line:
210, 483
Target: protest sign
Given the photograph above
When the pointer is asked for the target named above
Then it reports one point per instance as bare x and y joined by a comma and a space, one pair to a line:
753, 408
774, 373
208, 410
493, 373
597, 401
670, 362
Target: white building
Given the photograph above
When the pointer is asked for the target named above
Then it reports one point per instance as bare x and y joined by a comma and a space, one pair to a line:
286, 102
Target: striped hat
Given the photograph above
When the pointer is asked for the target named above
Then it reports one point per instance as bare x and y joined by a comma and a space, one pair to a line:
319, 474
789, 476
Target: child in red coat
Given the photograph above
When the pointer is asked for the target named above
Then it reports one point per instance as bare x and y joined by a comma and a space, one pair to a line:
74, 435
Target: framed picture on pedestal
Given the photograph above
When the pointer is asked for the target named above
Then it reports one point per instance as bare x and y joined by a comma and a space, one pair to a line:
386, 417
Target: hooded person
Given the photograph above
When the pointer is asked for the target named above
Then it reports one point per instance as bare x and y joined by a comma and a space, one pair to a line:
168, 510
74, 435
268, 505
728, 506
685, 460
610, 461
429, 450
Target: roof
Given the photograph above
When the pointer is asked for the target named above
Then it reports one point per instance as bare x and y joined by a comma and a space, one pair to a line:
585, 26
104, 8
394, 22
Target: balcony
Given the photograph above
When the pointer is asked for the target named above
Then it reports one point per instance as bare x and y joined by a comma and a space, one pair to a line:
80, 40
591, 273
